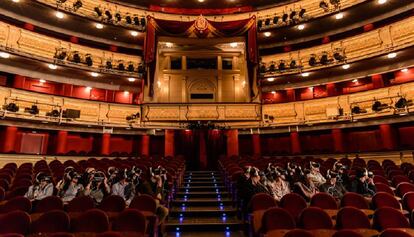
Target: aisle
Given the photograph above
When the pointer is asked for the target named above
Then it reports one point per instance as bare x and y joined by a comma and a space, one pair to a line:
203, 207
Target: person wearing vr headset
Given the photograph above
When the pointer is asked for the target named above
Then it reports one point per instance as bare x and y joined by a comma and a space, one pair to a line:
315, 174
42, 187
306, 187
97, 187
278, 185
332, 186
343, 177
125, 187
254, 186
156, 187
363, 183
70, 187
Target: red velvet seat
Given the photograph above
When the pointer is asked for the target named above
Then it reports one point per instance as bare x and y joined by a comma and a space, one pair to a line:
112, 203
385, 200
51, 222
11, 235
354, 200
94, 220
394, 233
15, 222
130, 221
352, 218
380, 179
110, 234
408, 201
17, 192
80, 204
346, 233
293, 203
17, 203
277, 218
262, 201
398, 179
298, 233
404, 188
315, 218
384, 188
144, 203
324, 201
48, 204
388, 217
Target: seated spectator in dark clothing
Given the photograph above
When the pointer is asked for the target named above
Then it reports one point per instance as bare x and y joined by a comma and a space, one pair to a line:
343, 177
254, 186
332, 186
155, 188
363, 183
242, 182
98, 187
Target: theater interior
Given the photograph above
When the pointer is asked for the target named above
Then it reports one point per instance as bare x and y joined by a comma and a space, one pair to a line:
205, 118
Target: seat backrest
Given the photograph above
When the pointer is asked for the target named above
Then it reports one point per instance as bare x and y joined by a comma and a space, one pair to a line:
293, 203
354, 200
277, 218
404, 188
130, 220
51, 222
394, 233
347, 233
298, 233
112, 203
48, 204
144, 202
262, 201
408, 201
382, 199
324, 201
388, 217
80, 204
94, 220
384, 188
315, 218
15, 222
17, 203
352, 218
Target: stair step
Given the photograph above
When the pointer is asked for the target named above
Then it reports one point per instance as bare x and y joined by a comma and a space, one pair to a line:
203, 188
197, 200
203, 223
203, 211
207, 234
202, 194
201, 172
202, 183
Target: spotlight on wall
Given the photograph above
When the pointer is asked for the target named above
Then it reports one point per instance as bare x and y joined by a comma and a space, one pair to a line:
76, 5
377, 106
403, 103
358, 110
11, 107
88, 60
98, 11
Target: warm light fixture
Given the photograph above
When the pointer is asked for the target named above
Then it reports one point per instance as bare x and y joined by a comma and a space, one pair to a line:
131, 79
392, 55
134, 33
126, 92
305, 74
88, 88
271, 79
42, 81
200, 0
99, 26
311, 88
4, 55
382, 1
94, 74
169, 45
273, 92
404, 70
16, 0
301, 27
267, 34
355, 81
346, 66
59, 15
339, 16
233, 45
52, 66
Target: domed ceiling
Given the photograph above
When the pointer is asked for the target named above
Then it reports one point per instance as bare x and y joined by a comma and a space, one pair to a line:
202, 4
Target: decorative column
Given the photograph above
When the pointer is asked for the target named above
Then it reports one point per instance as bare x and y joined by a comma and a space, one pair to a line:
62, 140
145, 145
232, 142
295, 143
106, 144
338, 140
169, 143
256, 145
10, 135
331, 89
377, 81
290, 95
386, 131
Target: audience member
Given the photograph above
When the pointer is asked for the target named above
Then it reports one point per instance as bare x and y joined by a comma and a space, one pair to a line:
363, 183
332, 186
42, 187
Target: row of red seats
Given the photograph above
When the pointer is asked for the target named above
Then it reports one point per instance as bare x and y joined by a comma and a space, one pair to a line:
328, 233
129, 222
